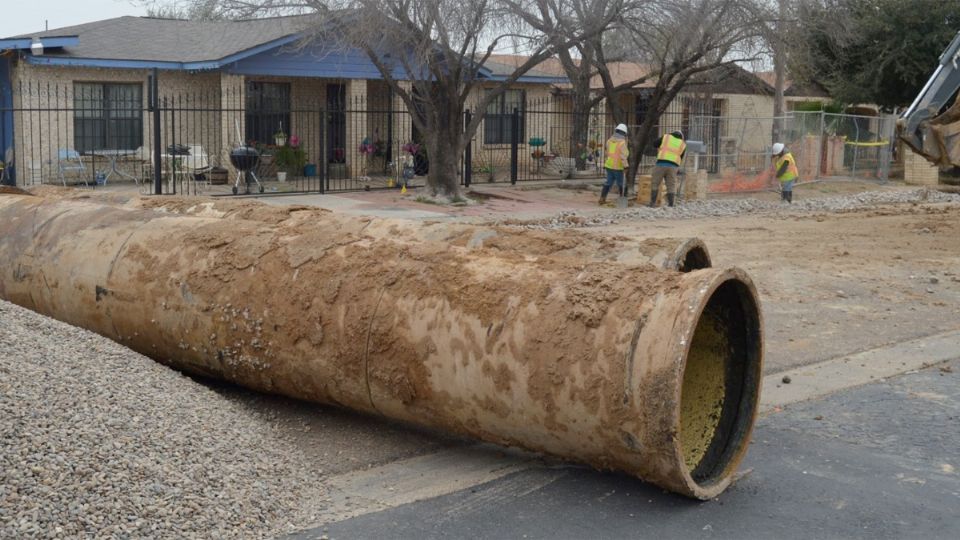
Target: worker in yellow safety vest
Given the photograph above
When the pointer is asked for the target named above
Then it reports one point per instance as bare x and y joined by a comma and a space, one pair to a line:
616, 154
669, 158
786, 170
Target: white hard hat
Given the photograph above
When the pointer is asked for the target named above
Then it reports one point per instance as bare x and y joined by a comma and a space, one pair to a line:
777, 148
622, 128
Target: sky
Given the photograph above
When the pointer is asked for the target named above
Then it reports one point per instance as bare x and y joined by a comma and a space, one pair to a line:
25, 16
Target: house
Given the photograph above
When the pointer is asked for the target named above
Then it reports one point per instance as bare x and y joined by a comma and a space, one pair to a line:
797, 92
729, 109
83, 91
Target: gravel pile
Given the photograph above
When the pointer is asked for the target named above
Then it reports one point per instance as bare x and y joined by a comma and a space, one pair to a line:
736, 207
99, 441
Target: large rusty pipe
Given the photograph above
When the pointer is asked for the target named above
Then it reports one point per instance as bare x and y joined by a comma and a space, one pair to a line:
683, 254
652, 372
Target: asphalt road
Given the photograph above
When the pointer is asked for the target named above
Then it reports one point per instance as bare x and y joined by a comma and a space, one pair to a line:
874, 462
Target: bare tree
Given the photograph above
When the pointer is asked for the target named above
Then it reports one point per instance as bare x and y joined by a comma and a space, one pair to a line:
580, 60
198, 10
432, 54
776, 35
683, 43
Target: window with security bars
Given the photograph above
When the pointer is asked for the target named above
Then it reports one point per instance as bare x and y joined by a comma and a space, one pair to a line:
498, 117
267, 111
107, 116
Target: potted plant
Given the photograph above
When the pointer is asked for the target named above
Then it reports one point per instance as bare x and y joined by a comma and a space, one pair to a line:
289, 159
338, 163
537, 142
280, 138
367, 148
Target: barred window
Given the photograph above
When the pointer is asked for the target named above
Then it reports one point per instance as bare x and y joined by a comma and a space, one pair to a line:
496, 121
268, 111
107, 117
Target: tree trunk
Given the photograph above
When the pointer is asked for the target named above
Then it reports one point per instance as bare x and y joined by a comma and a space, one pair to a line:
637, 144
581, 128
443, 151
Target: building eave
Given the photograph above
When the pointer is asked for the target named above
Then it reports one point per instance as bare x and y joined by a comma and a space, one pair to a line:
55, 42
202, 65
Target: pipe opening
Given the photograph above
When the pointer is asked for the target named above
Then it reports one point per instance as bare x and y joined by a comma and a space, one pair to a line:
720, 383
695, 258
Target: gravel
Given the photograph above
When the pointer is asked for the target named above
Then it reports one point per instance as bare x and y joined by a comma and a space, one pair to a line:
736, 207
99, 441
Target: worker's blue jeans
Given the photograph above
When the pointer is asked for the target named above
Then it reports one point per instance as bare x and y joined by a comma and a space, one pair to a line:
613, 177
786, 191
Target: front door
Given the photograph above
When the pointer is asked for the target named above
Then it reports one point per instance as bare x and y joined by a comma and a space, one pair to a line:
337, 123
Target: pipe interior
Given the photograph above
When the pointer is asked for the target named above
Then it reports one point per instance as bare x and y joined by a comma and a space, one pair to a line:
694, 259
720, 382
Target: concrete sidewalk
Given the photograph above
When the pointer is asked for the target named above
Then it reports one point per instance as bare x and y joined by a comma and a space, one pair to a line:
493, 202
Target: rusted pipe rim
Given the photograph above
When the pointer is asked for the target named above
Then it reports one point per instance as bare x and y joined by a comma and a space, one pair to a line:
720, 374
691, 255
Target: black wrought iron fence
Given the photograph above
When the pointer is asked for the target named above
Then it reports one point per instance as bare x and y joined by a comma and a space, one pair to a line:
317, 138
108, 134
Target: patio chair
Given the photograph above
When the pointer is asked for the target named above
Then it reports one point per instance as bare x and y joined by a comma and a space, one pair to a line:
196, 164
144, 156
70, 161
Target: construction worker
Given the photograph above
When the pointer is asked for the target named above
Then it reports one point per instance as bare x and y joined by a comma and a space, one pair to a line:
786, 170
669, 158
616, 153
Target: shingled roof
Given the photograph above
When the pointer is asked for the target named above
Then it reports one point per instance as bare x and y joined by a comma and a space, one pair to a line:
171, 40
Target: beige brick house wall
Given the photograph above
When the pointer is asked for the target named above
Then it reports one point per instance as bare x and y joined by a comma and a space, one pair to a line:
232, 101
493, 160
41, 134
209, 109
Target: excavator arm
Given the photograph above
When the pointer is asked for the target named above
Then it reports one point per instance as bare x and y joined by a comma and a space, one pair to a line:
931, 126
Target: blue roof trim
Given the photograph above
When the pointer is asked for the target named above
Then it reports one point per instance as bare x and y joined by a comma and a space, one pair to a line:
312, 61
533, 79
48, 42
245, 54
259, 61
150, 64
94, 62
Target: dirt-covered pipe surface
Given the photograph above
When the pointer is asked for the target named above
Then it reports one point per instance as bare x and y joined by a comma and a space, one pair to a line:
683, 254
652, 372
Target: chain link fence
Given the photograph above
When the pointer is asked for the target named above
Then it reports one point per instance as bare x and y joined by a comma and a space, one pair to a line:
825, 146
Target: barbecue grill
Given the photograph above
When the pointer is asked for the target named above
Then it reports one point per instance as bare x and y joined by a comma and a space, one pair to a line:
245, 159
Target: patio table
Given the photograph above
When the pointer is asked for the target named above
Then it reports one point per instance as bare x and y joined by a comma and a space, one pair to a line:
113, 156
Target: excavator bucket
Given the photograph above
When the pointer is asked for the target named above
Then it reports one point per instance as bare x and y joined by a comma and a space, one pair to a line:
940, 140
931, 125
